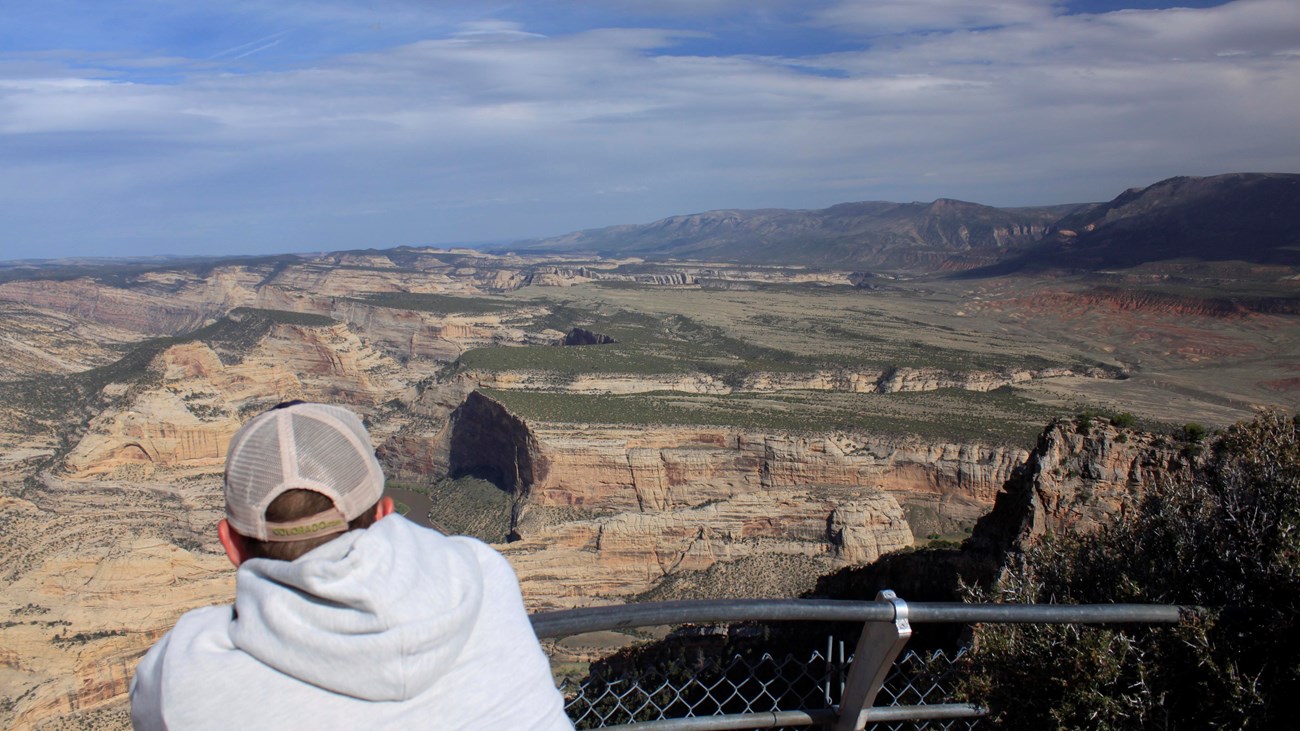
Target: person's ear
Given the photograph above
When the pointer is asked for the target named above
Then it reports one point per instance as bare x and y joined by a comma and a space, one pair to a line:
236, 549
384, 508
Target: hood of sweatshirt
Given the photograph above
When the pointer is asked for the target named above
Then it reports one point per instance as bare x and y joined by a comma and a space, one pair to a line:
378, 614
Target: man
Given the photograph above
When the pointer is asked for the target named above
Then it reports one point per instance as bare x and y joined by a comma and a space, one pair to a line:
345, 615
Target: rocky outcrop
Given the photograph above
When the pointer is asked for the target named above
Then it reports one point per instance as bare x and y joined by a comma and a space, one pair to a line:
1080, 476
582, 336
36, 342
489, 442
155, 303
658, 469
884, 380
603, 559
184, 422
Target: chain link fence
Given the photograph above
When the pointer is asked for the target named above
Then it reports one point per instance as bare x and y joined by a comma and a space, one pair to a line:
756, 683
748, 676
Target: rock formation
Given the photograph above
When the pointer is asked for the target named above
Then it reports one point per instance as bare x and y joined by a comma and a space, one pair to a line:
607, 559
582, 336
184, 422
664, 468
607, 512
883, 380
1080, 476
36, 342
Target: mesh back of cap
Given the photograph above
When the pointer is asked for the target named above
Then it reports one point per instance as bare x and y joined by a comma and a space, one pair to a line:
309, 446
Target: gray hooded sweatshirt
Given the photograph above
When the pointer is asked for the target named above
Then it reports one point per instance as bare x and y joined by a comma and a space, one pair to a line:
395, 626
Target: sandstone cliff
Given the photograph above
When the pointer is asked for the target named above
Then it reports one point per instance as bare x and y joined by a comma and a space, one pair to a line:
604, 559
668, 468
1083, 474
185, 420
156, 303
36, 342
598, 507
1080, 476
883, 380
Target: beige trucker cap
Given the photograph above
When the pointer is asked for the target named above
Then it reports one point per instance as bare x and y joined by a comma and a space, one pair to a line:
301, 446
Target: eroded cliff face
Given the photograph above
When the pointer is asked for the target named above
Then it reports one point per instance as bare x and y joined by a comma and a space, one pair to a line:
419, 449
1076, 480
1081, 476
190, 404
156, 303
666, 468
489, 442
881, 381
607, 512
599, 560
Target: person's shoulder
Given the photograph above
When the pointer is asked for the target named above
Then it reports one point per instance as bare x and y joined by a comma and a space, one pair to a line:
202, 627
484, 553
196, 631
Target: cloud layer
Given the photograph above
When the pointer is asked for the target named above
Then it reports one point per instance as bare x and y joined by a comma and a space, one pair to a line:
328, 125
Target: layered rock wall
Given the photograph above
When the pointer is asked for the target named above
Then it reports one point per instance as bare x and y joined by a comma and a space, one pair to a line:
184, 421
1077, 479
158, 303
640, 504
669, 468
488, 441
603, 559
880, 381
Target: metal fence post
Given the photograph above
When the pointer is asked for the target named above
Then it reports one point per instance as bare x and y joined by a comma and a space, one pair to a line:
877, 649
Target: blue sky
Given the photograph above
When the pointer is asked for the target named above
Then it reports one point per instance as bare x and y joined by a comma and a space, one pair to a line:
237, 127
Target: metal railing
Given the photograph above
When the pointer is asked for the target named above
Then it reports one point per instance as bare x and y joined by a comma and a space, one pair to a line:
840, 694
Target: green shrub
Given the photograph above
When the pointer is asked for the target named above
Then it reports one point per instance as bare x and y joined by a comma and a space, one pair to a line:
1193, 433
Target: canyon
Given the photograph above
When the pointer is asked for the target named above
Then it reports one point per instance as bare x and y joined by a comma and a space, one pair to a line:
649, 423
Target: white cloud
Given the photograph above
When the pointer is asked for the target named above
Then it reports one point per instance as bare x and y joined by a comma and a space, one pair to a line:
880, 17
490, 130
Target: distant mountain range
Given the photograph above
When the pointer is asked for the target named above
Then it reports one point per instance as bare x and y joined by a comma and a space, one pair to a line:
1253, 217
1244, 217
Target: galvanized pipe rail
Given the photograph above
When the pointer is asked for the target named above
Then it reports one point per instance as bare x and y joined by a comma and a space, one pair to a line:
567, 622
886, 630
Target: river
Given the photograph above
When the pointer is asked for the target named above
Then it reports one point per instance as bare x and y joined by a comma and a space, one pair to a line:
419, 504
